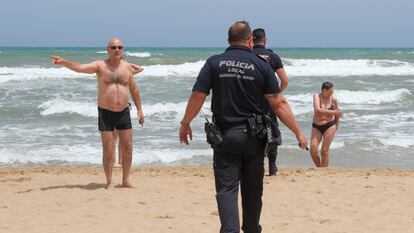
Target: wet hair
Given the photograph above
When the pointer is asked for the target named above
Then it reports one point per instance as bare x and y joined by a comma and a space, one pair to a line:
239, 31
258, 34
327, 86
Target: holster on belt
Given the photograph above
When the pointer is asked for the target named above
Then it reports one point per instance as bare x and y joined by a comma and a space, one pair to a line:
213, 134
262, 126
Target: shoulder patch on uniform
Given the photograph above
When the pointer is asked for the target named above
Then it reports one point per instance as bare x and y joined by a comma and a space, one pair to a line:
263, 57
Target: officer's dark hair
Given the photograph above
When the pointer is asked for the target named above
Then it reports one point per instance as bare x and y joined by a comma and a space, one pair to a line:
239, 31
258, 34
327, 86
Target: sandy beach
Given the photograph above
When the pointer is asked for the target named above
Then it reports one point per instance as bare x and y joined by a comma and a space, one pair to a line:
181, 200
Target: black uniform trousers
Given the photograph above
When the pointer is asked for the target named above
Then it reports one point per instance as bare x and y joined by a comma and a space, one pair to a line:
239, 159
272, 155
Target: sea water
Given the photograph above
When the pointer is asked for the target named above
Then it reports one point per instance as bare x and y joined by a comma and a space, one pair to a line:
48, 114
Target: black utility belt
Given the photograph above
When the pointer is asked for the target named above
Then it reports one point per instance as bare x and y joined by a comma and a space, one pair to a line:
234, 126
261, 126
214, 133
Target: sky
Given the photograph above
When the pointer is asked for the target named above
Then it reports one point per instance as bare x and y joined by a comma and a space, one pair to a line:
194, 23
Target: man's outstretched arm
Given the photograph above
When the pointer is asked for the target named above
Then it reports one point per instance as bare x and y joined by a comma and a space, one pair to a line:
75, 66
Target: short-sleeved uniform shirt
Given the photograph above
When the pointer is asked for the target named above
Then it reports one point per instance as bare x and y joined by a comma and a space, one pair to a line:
239, 80
274, 61
271, 57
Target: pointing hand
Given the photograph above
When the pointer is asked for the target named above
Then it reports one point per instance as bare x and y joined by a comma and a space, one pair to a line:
56, 60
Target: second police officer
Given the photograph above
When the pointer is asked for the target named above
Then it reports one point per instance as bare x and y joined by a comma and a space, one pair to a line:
241, 82
259, 40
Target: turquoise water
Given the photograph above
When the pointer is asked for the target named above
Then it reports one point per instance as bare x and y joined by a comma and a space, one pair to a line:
48, 114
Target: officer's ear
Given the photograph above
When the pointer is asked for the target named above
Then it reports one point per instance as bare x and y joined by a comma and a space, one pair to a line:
250, 42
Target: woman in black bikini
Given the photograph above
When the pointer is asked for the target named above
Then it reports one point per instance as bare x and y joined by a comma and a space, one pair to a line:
325, 123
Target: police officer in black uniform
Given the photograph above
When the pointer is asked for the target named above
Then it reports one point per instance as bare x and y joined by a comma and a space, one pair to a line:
259, 40
241, 83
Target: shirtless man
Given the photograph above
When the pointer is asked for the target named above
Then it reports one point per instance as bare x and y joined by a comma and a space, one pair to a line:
325, 123
115, 82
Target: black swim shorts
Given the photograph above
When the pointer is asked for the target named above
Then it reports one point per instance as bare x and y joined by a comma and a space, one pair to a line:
108, 120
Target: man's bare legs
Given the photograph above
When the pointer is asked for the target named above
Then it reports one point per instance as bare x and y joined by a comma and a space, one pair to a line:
125, 142
114, 160
119, 154
108, 148
316, 137
326, 143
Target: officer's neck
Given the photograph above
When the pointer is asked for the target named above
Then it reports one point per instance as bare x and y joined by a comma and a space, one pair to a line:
261, 42
242, 43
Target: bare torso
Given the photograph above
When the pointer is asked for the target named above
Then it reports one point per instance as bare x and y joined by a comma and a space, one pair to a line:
324, 103
113, 85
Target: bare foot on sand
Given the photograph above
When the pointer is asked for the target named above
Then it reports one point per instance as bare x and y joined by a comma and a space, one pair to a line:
110, 186
116, 165
126, 184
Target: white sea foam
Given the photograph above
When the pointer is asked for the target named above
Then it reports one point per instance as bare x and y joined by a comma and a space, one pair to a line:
93, 154
294, 146
328, 67
146, 156
400, 120
59, 106
23, 73
160, 108
300, 108
72, 153
138, 54
301, 104
388, 141
185, 69
301, 98
294, 67
371, 97
405, 142
102, 52
356, 97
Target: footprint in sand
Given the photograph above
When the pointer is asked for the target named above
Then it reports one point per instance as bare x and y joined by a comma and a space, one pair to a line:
325, 221
214, 213
167, 216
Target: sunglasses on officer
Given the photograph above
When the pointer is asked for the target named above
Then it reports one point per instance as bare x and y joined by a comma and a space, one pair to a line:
119, 47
